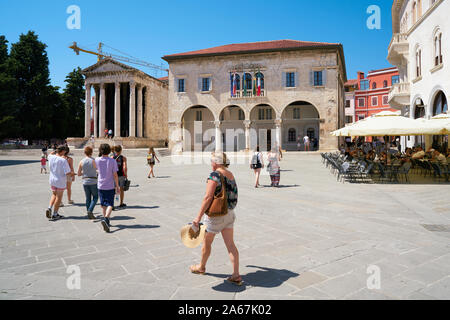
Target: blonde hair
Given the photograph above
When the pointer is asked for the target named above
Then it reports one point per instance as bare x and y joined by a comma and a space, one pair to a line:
220, 158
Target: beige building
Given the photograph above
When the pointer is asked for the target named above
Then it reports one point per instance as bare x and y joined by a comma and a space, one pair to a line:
128, 101
264, 93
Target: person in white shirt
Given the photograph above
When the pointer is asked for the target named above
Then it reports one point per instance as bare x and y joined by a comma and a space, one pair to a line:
439, 157
306, 142
420, 154
59, 172
257, 163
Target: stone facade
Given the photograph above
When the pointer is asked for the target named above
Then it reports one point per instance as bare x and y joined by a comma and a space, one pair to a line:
321, 107
128, 101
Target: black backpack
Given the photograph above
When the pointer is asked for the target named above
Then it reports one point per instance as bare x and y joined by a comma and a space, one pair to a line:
255, 161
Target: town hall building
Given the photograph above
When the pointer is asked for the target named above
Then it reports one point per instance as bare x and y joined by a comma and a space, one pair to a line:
265, 94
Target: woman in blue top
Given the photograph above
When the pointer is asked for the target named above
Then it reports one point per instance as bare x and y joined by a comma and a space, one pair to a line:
222, 224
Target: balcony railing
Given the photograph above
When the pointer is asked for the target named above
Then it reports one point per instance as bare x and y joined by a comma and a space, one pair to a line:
399, 95
398, 49
249, 94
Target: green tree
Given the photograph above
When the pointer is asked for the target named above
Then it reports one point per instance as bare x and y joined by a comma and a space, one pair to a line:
9, 126
29, 66
74, 96
58, 125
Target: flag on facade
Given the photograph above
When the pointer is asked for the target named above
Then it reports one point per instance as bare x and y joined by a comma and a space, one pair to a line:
254, 86
259, 83
231, 85
244, 85
234, 84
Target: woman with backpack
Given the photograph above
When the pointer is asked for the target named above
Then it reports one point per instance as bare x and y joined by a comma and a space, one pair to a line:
151, 157
257, 164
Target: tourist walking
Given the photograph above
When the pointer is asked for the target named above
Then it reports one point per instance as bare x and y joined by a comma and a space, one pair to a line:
306, 142
59, 172
273, 167
44, 164
70, 178
110, 133
151, 157
88, 170
108, 183
257, 164
122, 173
220, 178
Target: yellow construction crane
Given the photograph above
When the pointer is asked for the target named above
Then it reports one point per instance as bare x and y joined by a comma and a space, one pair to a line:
102, 55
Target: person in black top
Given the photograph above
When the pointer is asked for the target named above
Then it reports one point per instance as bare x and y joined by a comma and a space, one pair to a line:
122, 173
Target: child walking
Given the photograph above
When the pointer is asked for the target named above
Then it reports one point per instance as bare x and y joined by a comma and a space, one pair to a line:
44, 164
59, 172
151, 157
108, 183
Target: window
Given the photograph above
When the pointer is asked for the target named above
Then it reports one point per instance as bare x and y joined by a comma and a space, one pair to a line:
361, 117
296, 113
290, 79
385, 100
235, 80
440, 104
364, 84
247, 81
437, 49
374, 85
418, 63
291, 135
347, 103
269, 114
414, 16
261, 77
206, 84
198, 116
348, 119
260, 114
385, 84
361, 102
318, 78
374, 101
241, 115
181, 85
395, 79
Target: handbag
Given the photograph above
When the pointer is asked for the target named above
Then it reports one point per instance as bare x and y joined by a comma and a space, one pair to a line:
126, 185
219, 205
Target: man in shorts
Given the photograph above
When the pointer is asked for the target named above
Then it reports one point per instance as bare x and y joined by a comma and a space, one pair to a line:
59, 171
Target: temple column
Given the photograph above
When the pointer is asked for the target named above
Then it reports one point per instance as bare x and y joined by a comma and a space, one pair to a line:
247, 134
117, 110
219, 146
139, 111
102, 111
95, 108
87, 111
132, 129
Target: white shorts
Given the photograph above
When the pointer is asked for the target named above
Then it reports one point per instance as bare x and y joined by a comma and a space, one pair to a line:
43, 167
217, 224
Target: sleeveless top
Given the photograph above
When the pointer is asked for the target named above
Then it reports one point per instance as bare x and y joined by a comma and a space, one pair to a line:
230, 188
89, 172
119, 160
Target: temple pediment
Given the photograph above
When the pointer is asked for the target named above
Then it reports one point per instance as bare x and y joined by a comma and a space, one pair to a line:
108, 65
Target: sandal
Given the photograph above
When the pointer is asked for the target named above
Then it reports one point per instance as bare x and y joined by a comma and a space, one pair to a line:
236, 281
194, 270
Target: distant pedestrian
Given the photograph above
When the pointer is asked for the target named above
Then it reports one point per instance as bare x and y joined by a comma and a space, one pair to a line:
105, 132
122, 172
44, 164
151, 160
59, 171
299, 144
110, 133
88, 170
306, 142
273, 167
108, 183
71, 178
257, 164
45, 151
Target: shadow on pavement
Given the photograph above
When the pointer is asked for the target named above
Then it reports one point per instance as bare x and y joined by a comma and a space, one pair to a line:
5, 163
139, 207
265, 278
283, 186
135, 226
161, 177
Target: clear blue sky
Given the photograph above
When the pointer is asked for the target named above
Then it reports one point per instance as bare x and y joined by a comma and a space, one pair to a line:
149, 29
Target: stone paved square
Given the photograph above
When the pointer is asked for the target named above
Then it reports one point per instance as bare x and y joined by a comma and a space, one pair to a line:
314, 238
